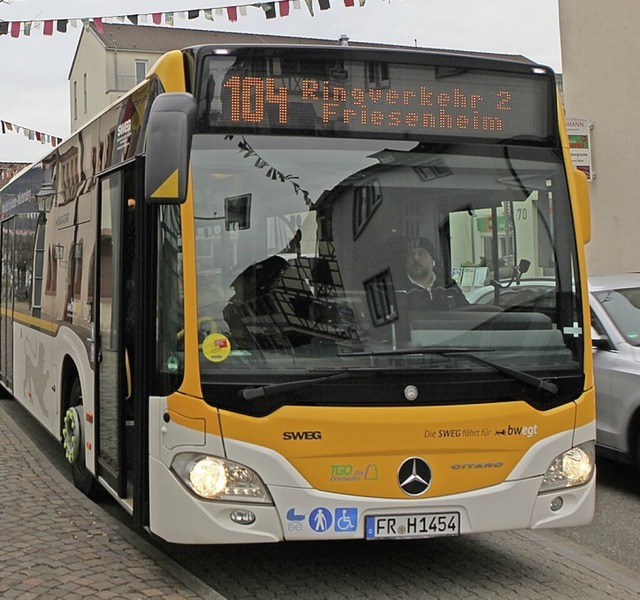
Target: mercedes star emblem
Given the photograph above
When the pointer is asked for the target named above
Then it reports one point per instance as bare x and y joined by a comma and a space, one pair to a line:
414, 476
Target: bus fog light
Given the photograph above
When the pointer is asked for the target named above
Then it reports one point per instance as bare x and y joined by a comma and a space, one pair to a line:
573, 467
556, 504
216, 478
243, 517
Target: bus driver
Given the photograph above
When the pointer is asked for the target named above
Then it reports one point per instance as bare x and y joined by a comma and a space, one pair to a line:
421, 285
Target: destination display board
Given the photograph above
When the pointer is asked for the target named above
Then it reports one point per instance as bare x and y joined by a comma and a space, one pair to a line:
374, 98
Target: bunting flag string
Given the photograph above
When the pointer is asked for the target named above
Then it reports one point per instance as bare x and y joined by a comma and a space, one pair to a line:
32, 134
272, 173
271, 10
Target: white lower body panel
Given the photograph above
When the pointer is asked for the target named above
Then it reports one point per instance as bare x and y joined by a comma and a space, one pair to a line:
307, 514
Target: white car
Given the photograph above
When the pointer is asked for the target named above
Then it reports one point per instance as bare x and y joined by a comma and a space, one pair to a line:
615, 322
615, 331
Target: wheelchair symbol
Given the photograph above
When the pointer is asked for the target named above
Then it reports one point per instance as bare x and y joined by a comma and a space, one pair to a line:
346, 519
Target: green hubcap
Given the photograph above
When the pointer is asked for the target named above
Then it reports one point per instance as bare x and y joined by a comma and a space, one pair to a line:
71, 435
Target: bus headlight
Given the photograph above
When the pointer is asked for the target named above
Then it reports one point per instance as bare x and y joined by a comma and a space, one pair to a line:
216, 478
573, 467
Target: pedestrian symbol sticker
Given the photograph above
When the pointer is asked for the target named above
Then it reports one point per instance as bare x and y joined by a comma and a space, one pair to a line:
320, 519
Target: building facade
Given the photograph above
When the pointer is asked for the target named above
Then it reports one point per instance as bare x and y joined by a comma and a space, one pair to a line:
600, 45
109, 63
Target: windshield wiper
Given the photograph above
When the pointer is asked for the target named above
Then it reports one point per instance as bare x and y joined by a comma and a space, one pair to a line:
532, 380
251, 393
428, 350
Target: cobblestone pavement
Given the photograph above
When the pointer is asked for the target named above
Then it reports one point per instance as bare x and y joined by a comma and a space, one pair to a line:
56, 543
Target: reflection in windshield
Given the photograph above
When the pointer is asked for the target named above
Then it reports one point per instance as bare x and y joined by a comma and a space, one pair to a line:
311, 249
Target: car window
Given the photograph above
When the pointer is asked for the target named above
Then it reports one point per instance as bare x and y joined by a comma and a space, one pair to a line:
623, 307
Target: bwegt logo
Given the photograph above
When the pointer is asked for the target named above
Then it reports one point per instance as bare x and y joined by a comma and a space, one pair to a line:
525, 430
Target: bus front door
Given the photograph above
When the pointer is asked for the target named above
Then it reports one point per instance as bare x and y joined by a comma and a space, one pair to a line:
114, 351
7, 254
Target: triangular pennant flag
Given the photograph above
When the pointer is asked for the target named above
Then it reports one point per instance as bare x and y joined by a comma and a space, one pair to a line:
73, 23
143, 19
97, 21
232, 13
27, 27
47, 28
362, 2
2, 123
9, 126
349, 2
310, 6
296, 4
193, 14
133, 19
15, 29
61, 25
157, 18
168, 18
283, 5
324, 4
243, 10
208, 14
4, 27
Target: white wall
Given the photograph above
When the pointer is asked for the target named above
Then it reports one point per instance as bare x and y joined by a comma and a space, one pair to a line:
89, 61
600, 48
109, 74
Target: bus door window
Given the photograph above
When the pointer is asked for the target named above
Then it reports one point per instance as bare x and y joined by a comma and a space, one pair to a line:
117, 326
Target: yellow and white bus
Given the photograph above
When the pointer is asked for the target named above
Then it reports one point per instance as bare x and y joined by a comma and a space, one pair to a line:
204, 295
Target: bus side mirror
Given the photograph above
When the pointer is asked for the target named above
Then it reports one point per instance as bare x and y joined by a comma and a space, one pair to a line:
583, 204
169, 133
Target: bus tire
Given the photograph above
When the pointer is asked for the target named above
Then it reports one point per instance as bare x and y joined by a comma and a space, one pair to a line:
73, 440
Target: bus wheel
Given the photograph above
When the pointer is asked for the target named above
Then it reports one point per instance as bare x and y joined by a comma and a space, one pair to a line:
73, 442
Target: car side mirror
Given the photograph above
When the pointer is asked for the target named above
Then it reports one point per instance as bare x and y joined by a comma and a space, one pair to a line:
600, 342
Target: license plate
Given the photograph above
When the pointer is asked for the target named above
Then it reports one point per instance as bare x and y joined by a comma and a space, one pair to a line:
412, 526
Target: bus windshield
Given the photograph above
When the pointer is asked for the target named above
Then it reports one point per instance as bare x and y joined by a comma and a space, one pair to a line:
306, 255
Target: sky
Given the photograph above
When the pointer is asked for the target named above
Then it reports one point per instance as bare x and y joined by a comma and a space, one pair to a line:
34, 90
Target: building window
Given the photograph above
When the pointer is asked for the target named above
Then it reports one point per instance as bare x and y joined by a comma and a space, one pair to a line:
84, 92
378, 76
141, 70
381, 299
366, 199
75, 99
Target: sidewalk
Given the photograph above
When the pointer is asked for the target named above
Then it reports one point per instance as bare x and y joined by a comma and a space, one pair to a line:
56, 543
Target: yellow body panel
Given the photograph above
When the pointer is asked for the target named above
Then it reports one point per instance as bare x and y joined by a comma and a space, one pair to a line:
170, 70
357, 451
